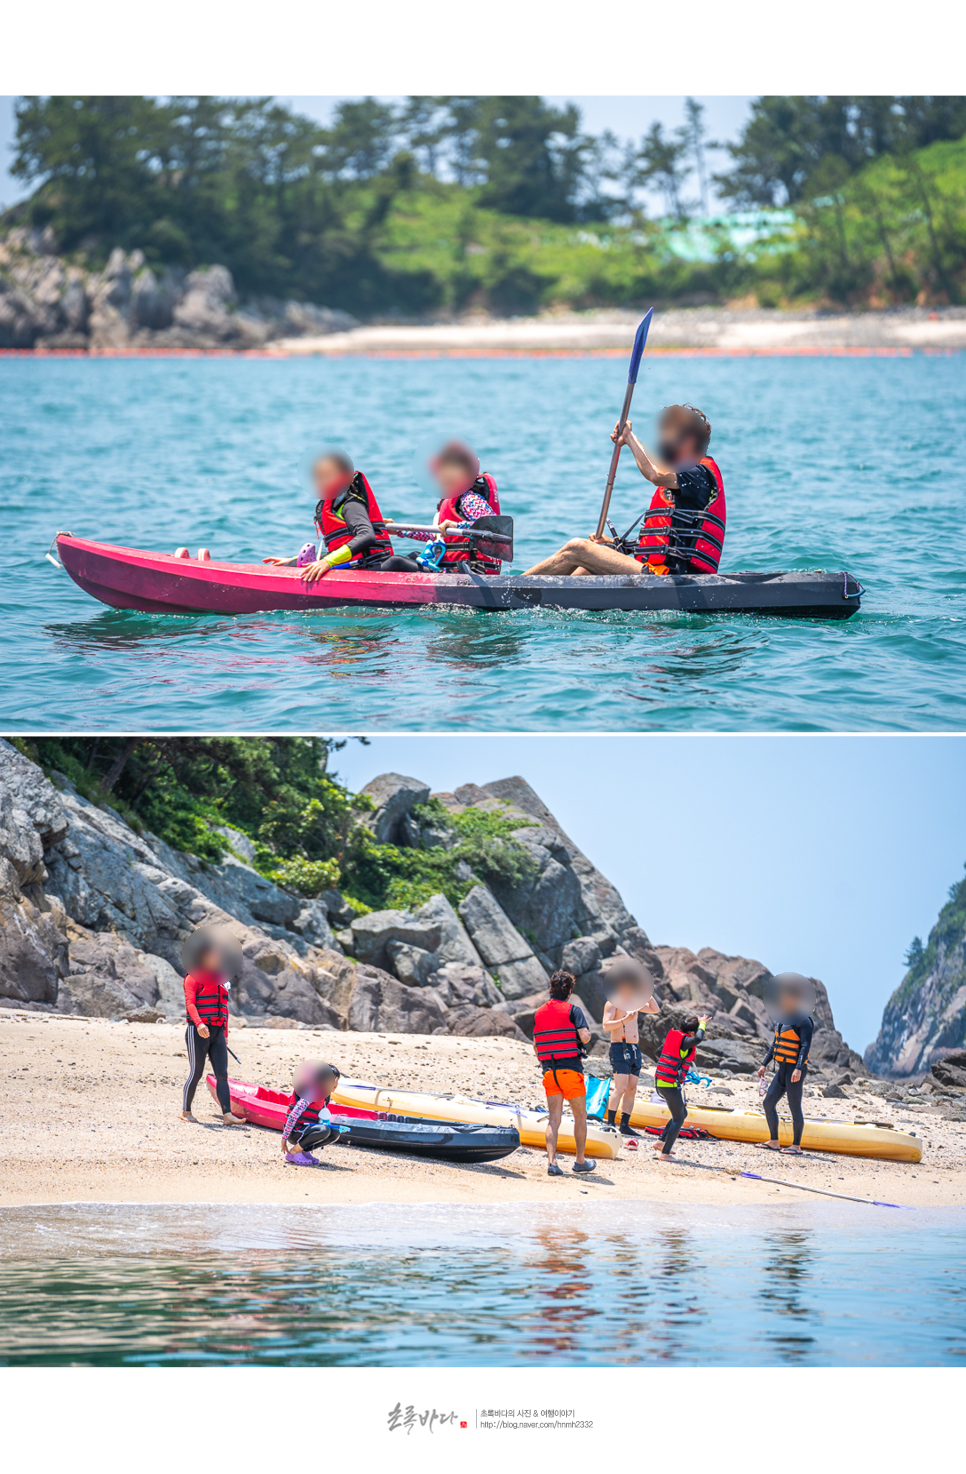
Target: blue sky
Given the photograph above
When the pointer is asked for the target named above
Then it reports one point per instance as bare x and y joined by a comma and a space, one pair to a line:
823, 855
628, 117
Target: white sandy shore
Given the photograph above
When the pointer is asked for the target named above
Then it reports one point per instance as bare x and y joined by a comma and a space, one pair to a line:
90, 1113
716, 329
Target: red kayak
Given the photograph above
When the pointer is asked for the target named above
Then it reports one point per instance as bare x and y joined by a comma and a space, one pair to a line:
162, 583
446, 1141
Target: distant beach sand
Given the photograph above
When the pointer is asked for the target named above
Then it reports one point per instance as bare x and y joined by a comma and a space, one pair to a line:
676, 331
91, 1109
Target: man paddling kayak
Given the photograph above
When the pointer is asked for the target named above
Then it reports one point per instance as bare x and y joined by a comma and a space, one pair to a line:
683, 529
349, 522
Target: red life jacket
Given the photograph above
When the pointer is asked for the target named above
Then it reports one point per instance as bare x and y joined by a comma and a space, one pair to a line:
672, 1066
332, 527
448, 511
211, 999
555, 1037
677, 532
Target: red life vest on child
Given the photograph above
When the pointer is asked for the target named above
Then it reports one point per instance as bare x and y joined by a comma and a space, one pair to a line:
448, 511
672, 1066
678, 532
554, 1035
334, 532
211, 999
310, 1116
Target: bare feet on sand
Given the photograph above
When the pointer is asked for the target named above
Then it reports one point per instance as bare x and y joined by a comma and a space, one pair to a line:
187, 1116
234, 1120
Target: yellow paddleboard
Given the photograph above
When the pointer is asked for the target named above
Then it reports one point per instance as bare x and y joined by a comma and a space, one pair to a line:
819, 1136
602, 1141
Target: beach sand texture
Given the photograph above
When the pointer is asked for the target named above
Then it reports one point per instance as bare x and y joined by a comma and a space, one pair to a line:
91, 1113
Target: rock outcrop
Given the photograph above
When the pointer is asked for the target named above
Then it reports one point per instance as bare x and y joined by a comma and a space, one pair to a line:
47, 302
925, 1019
93, 917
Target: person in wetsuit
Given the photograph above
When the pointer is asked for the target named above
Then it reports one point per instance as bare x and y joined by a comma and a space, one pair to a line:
789, 1049
350, 523
206, 990
308, 1125
677, 1052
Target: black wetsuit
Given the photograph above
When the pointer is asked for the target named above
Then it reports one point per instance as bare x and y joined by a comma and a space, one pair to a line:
783, 1084
200, 1052
354, 511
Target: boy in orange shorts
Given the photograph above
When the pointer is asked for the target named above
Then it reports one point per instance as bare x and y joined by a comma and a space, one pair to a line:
560, 1037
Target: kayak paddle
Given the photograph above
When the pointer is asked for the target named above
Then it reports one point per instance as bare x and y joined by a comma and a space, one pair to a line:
640, 338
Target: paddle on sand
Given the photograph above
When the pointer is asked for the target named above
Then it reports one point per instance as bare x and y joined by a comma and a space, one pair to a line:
640, 338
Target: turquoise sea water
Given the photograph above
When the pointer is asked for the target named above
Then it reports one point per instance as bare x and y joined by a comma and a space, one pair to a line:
628, 1284
828, 463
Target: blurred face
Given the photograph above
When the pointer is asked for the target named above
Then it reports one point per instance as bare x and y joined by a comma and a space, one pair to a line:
452, 477
789, 1001
329, 478
211, 960
676, 446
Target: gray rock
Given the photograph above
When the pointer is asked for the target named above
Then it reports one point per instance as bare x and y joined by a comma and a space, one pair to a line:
242, 891
242, 847
312, 923
454, 942
170, 984
207, 307
951, 1070
834, 1092
381, 1004
500, 945
580, 956
730, 1054
412, 965
372, 933
455, 985
394, 797
337, 908
473, 1022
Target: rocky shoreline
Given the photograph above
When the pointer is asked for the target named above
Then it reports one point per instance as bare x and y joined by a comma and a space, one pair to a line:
49, 304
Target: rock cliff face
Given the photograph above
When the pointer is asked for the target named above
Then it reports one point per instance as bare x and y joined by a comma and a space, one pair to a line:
925, 1019
46, 302
93, 916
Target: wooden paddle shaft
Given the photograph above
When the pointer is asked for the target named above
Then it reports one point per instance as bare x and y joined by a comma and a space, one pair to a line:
612, 473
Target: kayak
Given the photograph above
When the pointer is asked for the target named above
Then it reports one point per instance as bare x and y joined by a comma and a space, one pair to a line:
851, 1138
163, 583
530, 1124
379, 1129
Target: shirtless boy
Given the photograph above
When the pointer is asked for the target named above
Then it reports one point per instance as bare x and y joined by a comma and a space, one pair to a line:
630, 985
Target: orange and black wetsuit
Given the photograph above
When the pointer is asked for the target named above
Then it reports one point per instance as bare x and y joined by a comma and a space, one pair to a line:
789, 1049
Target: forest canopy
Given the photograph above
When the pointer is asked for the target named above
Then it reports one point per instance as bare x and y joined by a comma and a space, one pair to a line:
439, 203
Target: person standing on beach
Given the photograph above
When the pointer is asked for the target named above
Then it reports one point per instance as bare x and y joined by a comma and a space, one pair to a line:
677, 1052
631, 985
789, 1049
206, 1003
560, 1036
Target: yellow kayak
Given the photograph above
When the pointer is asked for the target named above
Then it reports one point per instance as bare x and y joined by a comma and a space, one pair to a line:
819, 1136
602, 1141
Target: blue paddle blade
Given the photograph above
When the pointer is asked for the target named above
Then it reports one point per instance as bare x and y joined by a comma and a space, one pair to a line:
640, 338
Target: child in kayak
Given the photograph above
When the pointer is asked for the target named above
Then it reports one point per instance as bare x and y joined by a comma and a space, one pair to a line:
349, 522
309, 1125
465, 495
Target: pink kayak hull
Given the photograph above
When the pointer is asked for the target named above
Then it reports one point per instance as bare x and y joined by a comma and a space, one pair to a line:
160, 583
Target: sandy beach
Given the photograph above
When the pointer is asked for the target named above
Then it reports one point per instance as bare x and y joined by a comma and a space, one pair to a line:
91, 1113
736, 329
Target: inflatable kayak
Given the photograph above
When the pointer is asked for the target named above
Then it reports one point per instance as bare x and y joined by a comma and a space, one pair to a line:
849, 1137
161, 583
379, 1129
602, 1141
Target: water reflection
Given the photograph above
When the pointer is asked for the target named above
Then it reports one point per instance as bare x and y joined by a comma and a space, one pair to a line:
788, 1293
